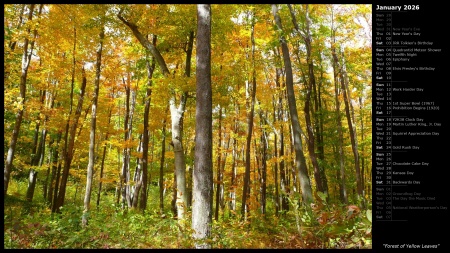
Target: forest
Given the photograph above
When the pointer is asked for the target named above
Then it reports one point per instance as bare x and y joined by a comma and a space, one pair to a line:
187, 126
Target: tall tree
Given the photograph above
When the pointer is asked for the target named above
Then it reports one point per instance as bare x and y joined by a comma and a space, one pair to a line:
311, 84
70, 147
161, 168
145, 135
300, 162
90, 168
263, 177
280, 114
335, 64
203, 175
130, 105
351, 127
219, 160
177, 116
102, 165
176, 112
26, 57
232, 203
250, 104
71, 124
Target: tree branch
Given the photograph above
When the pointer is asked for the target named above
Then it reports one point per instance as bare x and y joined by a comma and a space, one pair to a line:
146, 44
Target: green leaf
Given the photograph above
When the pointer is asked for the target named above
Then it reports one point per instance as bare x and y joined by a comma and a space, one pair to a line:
369, 215
322, 195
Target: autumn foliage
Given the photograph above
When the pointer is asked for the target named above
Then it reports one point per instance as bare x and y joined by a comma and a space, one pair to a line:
142, 59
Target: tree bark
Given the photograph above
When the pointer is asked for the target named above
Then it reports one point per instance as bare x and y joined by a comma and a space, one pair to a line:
180, 164
203, 175
300, 163
173, 203
90, 168
32, 178
31, 185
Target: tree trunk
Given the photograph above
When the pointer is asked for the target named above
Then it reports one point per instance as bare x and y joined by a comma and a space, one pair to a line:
263, 179
362, 141
41, 149
56, 172
100, 183
69, 155
23, 80
300, 163
69, 141
250, 104
34, 146
284, 206
90, 168
219, 160
149, 179
56, 205
352, 130
232, 203
31, 185
275, 154
174, 196
145, 43
189, 187
343, 188
38, 149
137, 178
180, 164
52, 168
203, 174
125, 176
161, 168
311, 86
318, 119
176, 114
145, 135
222, 183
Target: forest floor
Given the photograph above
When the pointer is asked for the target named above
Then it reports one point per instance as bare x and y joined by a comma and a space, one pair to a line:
110, 226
